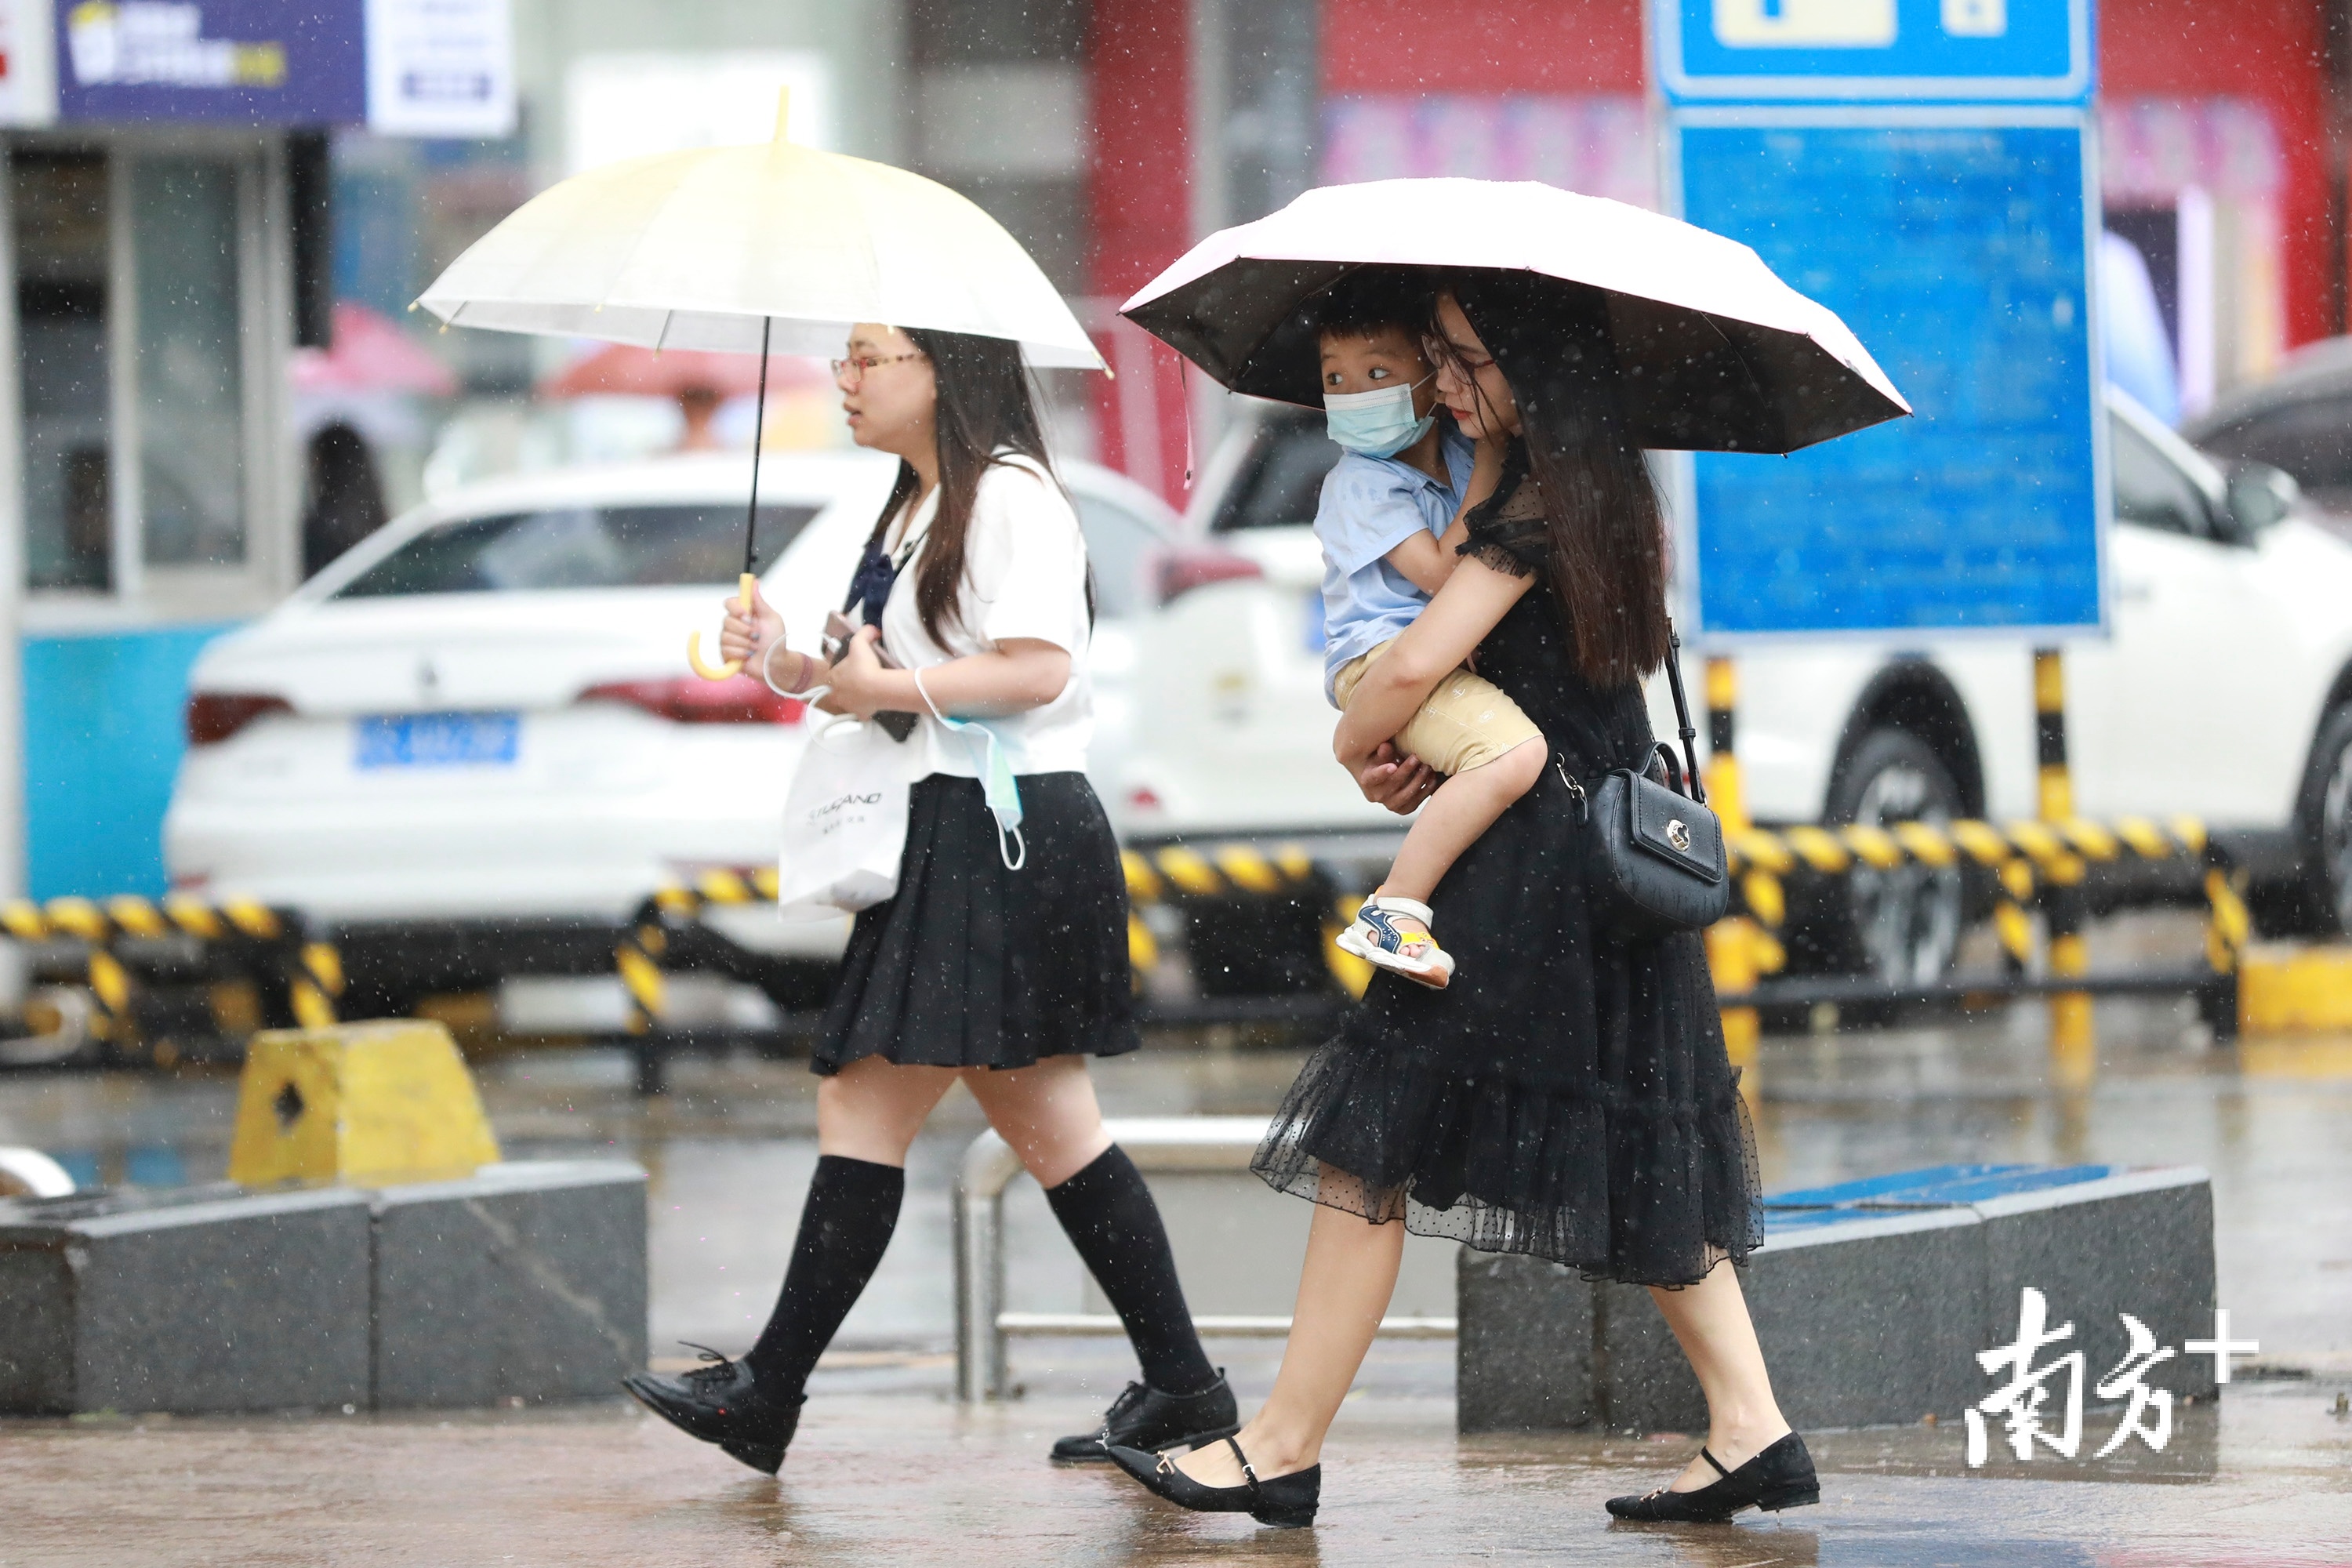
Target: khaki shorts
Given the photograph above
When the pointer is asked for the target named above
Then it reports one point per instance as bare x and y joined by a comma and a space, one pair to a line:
1465, 723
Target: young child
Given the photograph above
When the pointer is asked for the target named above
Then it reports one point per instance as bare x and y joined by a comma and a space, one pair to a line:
1388, 524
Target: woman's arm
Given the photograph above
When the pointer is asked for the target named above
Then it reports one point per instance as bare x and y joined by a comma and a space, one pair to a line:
1018, 674
1458, 618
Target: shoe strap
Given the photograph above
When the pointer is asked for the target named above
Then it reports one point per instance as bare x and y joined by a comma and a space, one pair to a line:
1397, 905
1711, 1459
1248, 1474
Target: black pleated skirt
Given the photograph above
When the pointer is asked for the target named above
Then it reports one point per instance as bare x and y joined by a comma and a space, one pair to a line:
970, 964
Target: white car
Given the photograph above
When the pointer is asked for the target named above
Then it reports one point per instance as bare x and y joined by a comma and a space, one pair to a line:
472, 746
2224, 692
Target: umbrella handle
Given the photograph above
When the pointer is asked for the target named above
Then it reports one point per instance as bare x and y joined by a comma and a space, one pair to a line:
733, 667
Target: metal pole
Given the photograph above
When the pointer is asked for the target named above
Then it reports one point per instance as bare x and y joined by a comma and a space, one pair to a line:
1155, 1144
2073, 1028
989, 1166
1733, 945
759, 438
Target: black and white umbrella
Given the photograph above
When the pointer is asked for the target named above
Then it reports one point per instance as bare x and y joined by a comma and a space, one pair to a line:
1721, 354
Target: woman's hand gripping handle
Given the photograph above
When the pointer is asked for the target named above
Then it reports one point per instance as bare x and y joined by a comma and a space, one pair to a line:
750, 633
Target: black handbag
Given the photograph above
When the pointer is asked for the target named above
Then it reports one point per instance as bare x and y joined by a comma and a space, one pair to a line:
1658, 863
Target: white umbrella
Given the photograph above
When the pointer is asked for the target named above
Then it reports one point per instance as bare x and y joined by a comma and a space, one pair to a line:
1729, 357
712, 248
773, 248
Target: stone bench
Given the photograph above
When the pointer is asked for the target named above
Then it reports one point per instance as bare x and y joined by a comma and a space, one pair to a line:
523, 1280
1871, 1299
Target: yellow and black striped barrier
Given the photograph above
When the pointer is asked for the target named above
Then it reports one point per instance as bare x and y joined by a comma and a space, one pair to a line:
2035, 865
253, 956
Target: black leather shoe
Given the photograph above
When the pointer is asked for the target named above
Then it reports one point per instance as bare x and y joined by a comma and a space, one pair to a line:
721, 1403
1288, 1502
1781, 1476
1144, 1417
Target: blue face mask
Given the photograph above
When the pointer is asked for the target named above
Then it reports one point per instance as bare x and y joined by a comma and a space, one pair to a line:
1378, 424
998, 787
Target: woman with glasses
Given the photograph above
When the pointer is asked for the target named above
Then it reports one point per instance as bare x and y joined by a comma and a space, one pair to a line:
1002, 961
1569, 1095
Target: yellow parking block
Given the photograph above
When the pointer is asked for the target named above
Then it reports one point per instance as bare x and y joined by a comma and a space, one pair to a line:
2297, 1057
366, 1103
2284, 990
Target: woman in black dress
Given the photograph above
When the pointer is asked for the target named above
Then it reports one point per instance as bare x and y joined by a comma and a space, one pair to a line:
1002, 960
1569, 1095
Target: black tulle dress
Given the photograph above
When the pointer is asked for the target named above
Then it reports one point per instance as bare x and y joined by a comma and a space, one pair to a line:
1567, 1096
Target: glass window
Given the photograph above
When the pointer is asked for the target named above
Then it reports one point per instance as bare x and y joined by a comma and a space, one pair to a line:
1119, 546
2150, 489
62, 204
189, 353
2311, 440
581, 547
1284, 479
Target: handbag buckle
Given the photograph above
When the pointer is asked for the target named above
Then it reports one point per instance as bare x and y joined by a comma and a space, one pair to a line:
1575, 790
1678, 835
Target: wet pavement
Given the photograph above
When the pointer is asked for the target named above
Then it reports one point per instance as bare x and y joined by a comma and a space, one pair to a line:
889, 1470
877, 1478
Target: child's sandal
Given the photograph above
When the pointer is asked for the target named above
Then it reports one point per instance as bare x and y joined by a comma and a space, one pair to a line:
1380, 941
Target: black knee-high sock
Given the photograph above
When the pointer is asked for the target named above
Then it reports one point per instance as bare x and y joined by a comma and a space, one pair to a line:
1112, 1221
853, 1206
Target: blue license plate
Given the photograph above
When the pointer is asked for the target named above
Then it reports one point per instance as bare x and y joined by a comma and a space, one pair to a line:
437, 740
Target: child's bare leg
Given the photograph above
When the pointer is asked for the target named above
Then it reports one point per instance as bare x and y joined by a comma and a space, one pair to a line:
1463, 808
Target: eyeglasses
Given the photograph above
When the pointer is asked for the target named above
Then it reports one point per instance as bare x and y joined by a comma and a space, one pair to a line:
852, 370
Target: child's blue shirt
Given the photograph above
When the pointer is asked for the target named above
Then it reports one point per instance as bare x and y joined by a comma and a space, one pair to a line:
1369, 507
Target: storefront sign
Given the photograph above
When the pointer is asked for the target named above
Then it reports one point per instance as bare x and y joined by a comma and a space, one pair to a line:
28, 64
252, 62
406, 68
440, 68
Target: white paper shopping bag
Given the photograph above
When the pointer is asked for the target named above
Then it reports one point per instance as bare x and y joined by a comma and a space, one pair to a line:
845, 823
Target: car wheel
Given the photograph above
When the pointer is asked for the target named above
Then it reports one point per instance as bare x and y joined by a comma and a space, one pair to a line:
1901, 926
2327, 820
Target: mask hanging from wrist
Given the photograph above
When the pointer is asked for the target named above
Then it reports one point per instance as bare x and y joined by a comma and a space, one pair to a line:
1378, 424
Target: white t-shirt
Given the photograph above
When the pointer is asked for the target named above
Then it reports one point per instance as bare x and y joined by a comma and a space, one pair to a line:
1024, 576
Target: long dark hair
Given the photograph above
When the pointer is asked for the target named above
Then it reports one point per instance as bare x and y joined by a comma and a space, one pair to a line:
986, 415
1600, 504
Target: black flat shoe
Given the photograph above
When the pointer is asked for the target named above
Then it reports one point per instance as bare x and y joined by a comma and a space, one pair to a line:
1288, 1502
1145, 1417
1781, 1476
721, 1403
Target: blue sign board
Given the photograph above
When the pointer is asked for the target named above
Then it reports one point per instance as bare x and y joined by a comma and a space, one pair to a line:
1881, 50
245, 62
1958, 246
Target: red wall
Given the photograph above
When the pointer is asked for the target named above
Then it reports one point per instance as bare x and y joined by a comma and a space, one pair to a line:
1481, 46
2268, 51
1139, 191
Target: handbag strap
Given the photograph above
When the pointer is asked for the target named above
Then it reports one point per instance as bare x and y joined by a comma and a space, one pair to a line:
1697, 791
